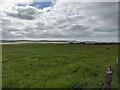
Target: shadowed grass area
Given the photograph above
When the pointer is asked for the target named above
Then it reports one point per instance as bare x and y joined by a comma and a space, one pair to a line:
58, 65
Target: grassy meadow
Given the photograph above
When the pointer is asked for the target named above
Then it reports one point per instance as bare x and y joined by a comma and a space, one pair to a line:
57, 65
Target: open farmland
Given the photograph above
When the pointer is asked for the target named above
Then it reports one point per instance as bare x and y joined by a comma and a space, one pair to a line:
57, 65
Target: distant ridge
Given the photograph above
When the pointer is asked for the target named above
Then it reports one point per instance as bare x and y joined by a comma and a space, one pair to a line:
59, 41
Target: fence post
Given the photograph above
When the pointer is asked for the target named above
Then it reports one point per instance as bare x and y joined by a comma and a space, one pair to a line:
108, 78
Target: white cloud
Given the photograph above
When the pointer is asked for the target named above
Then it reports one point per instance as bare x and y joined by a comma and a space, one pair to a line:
65, 20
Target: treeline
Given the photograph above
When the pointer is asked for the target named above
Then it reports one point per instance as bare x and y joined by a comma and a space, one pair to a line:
100, 43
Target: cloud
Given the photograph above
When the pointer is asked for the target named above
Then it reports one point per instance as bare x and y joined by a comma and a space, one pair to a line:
64, 20
26, 13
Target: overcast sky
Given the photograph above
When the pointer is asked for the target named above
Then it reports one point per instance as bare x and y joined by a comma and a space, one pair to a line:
57, 20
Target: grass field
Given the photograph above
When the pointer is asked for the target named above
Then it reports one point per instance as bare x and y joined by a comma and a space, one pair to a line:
58, 65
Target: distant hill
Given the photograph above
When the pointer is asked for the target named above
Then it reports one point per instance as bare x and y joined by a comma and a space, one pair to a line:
63, 41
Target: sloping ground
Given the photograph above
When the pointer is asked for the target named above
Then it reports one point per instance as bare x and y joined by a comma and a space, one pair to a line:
58, 65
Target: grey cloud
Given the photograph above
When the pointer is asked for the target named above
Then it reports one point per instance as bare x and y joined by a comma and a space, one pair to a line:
106, 35
21, 16
78, 28
25, 13
65, 20
108, 29
6, 21
40, 25
8, 35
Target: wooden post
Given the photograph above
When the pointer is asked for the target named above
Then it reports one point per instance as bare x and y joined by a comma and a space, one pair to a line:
108, 78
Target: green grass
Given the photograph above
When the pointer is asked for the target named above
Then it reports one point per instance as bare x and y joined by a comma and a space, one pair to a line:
57, 65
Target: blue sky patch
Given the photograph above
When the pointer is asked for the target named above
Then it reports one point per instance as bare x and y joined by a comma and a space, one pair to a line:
39, 5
